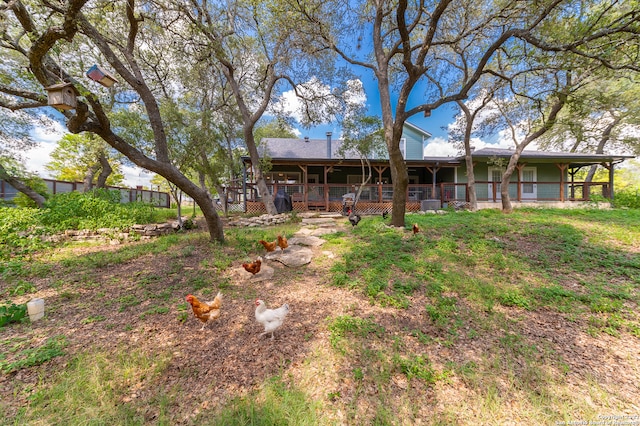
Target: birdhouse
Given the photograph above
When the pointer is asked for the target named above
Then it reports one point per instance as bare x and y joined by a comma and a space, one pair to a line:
101, 76
62, 96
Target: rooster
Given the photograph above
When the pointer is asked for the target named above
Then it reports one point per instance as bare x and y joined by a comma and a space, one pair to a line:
385, 214
415, 229
282, 242
354, 218
269, 246
272, 319
205, 311
254, 267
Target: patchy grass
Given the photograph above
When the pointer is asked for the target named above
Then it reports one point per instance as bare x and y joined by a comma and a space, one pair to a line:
481, 318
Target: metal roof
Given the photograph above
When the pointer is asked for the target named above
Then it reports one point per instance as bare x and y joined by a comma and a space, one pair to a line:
316, 150
546, 156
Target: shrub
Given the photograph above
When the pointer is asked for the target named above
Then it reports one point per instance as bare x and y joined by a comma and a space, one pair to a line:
628, 197
37, 184
92, 210
12, 313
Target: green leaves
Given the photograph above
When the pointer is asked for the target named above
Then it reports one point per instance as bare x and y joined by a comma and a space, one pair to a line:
12, 313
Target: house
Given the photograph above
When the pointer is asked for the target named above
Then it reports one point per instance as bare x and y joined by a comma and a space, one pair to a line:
317, 178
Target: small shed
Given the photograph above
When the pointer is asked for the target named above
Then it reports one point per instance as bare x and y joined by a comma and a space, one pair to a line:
62, 96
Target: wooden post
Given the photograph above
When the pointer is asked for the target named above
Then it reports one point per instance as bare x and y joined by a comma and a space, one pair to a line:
611, 166
562, 168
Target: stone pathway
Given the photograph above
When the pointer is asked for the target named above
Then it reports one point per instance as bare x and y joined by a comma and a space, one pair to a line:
299, 252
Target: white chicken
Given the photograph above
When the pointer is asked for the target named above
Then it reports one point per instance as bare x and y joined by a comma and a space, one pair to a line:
272, 319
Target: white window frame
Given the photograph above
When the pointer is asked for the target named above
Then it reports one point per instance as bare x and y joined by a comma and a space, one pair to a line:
533, 194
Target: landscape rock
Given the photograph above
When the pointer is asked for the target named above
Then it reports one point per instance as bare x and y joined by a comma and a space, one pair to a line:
307, 240
293, 256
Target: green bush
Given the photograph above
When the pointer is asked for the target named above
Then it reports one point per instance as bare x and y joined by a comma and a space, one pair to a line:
92, 210
21, 228
628, 197
12, 313
18, 228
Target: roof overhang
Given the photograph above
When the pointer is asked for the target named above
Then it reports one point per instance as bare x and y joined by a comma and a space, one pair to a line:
427, 162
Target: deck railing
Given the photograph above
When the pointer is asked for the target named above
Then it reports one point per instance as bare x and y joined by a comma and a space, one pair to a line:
378, 197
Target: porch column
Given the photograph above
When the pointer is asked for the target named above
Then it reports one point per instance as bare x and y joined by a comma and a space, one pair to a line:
305, 182
562, 168
433, 171
244, 186
611, 166
380, 170
325, 188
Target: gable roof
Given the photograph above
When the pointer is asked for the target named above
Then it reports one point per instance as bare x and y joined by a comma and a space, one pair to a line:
423, 132
314, 149
308, 149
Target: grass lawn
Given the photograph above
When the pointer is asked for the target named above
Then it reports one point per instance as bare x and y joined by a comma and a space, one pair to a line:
479, 319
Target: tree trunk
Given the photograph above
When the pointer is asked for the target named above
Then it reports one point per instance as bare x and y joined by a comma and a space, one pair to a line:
606, 135
87, 182
267, 199
22, 187
179, 210
223, 201
513, 161
471, 178
105, 172
172, 174
506, 178
399, 178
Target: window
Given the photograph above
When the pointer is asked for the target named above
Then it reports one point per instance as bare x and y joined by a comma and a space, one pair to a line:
495, 179
282, 177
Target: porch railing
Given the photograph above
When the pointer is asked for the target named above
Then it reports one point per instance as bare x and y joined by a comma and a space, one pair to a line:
378, 197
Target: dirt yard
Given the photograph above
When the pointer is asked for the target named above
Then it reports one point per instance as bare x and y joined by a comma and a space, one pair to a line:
112, 308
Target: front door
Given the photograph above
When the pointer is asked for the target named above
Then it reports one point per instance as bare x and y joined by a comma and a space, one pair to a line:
528, 180
495, 179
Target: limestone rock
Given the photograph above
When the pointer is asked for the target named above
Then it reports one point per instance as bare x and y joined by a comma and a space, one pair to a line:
292, 256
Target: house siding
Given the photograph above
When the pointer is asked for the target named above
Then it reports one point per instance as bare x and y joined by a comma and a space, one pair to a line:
414, 148
545, 172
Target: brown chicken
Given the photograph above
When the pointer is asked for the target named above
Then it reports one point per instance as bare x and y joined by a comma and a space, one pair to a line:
282, 242
416, 229
254, 267
269, 246
205, 311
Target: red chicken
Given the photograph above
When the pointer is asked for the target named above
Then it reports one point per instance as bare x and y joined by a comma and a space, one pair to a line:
207, 311
269, 246
254, 267
415, 229
282, 242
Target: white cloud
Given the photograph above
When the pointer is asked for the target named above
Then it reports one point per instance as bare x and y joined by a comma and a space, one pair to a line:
439, 147
324, 104
47, 139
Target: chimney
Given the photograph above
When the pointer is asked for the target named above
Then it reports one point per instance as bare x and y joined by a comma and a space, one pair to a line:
328, 144
472, 148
